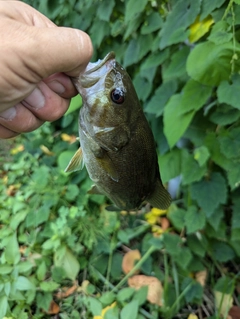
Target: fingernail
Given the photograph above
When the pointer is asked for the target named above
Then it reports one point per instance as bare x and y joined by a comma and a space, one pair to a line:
36, 99
57, 87
9, 114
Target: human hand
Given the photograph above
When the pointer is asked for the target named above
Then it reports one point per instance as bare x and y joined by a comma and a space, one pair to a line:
36, 62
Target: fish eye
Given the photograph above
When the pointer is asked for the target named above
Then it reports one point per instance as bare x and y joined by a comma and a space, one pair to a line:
117, 96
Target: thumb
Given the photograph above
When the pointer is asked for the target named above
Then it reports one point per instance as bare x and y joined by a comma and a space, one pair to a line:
58, 49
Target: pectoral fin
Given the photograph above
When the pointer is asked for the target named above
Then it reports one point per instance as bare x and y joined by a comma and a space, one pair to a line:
160, 198
76, 163
94, 190
107, 164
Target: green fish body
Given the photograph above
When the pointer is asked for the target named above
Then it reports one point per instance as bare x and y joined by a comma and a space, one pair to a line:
117, 144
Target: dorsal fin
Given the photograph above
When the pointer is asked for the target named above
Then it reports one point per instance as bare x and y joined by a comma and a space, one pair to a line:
76, 162
160, 198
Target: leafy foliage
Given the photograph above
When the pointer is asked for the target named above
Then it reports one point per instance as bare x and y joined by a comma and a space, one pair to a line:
59, 246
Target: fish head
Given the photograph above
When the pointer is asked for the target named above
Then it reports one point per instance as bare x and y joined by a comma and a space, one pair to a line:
109, 97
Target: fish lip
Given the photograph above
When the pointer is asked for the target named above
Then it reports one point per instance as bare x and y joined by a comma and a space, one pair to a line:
94, 72
108, 57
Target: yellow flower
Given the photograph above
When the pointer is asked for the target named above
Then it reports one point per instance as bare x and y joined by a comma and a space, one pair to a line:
157, 231
153, 216
17, 149
104, 311
199, 28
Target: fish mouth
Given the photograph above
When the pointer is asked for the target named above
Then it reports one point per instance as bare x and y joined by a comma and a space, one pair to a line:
94, 72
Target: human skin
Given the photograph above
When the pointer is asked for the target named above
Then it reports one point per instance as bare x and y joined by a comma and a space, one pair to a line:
37, 61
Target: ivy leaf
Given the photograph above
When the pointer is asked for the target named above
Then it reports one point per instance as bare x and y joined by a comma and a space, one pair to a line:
210, 64
179, 18
194, 219
229, 92
210, 193
175, 123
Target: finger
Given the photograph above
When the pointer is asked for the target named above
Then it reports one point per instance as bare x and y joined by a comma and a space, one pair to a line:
45, 104
61, 84
6, 133
19, 119
58, 49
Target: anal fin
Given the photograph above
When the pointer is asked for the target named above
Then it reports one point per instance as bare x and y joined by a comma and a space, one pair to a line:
160, 198
76, 162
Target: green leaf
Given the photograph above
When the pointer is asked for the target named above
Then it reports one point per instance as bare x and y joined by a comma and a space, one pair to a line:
196, 245
24, 266
184, 258
37, 217
208, 7
215, 218
23, 283
191, 171
161, 95
177, 66
141, 295
230, 143
201, 155
224, 115
222, 252
64, 158
48, 286
104, 9
154, 60
125, 294
132, 10
175, 123
170, 164
183, 14
220, 34
130, 311
41, 271
225, 285
40, 177
12, 253
75, 104
3, 306
230, 93
209, 193
194, 219
44, 300
210, 64
99, 30
173, 244
177, 217
153, 22
5, 269
68, 262
194, 96
107, 298
72, 192
94, 306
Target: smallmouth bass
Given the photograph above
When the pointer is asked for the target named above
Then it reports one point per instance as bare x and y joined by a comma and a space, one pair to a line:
117, 144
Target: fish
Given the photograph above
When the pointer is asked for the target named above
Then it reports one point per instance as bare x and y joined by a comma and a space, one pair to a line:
116, 142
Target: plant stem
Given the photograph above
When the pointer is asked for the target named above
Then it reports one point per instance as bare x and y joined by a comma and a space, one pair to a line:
136, 267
